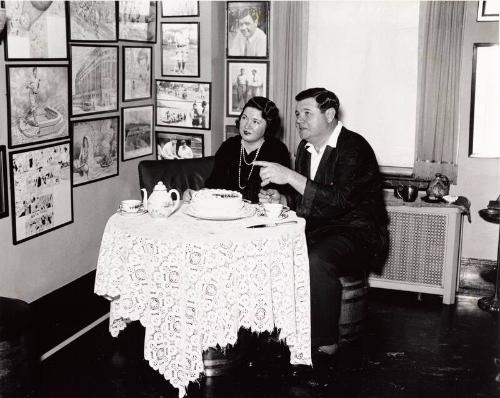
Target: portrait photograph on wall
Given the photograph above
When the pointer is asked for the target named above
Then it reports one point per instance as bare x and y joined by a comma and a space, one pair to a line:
183, 104
37, 103
179, 145
94, 79
95, 150
247, 29
245, 80
137, 132
180, 8
137, 21
4, 208
180, 51
36, 30
92, 21
137, 73
42, 198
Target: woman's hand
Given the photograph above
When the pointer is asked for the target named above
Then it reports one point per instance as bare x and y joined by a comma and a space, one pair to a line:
187, 195
269, 196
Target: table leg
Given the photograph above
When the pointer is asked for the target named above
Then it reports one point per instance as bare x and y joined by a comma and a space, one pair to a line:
492, 304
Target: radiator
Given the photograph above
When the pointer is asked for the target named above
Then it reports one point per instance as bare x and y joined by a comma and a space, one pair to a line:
424, 251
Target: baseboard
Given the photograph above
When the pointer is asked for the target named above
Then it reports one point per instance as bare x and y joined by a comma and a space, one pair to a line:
64, 313
477, 276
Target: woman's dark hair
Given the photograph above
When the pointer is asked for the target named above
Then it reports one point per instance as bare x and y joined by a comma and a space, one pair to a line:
325, 98
270, 113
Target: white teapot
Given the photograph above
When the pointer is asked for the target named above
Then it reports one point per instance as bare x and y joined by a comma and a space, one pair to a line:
160, 203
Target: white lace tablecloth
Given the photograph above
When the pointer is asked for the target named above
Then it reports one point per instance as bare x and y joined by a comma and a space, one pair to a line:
193, 283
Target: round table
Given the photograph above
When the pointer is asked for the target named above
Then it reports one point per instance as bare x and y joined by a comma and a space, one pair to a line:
492, 304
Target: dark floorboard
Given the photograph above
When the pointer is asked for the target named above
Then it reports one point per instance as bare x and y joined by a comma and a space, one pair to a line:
410, 349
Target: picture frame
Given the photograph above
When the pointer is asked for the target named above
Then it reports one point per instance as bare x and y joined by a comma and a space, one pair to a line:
488, 11
180, 49
93, 21
137, 131
183, 104
245, 79
137, 73
247, 29
180, 8
99, 160
36, 30
484, 124
41, 194
37, 103
94, 86
187, 146
231, 131
4, 205
137, 21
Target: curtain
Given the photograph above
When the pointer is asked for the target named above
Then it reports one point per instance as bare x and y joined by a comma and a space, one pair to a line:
289, 54
438, 88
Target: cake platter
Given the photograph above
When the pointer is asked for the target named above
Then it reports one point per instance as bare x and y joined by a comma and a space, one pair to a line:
247, 210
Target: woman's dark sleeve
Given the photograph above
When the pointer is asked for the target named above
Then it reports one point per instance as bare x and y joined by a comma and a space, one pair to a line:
219, 176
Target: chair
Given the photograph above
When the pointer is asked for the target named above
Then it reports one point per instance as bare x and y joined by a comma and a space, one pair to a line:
180, 174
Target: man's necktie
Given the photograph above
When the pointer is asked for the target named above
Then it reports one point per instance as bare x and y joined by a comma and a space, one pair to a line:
246, 48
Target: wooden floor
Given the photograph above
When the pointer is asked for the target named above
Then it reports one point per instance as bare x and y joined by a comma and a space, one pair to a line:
411, 349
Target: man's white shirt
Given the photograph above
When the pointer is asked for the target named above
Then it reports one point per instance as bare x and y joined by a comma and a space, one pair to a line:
316, 156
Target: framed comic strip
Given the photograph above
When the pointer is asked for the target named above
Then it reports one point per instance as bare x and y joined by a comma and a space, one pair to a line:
137, 21
36, 30
92, 21
94, 79
180, 49
4, 208
488, 10
180, 8
41, 194
245, 79
183, 104
179, 145
247, 29
37, 104
137, 131
95, 149
137, 73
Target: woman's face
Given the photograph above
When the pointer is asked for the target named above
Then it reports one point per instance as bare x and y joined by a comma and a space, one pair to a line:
252, 125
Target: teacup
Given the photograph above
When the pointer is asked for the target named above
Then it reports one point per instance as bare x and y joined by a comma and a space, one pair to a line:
273, 210
130, 205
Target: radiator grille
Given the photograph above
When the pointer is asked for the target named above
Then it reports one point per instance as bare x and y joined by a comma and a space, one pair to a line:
417, 249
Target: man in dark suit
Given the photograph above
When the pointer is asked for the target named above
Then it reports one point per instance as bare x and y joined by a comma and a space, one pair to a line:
337, 188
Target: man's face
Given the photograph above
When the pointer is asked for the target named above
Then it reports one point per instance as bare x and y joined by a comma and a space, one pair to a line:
247, 26
311, 123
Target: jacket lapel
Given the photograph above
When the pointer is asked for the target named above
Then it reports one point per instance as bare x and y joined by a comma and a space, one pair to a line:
324, 164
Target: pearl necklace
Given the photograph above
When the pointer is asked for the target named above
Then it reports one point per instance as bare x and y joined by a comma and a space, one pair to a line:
242, 156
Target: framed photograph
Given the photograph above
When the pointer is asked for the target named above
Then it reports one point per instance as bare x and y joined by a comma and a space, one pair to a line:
180, 50
37, 103
245, 79
41, 194
137, 73
36, 30
488, 10
179, 145
4, 209
95, 150
137, 132
137, 21
91, 21
180, 8
231, 131
247, 28
183, 104
94, 79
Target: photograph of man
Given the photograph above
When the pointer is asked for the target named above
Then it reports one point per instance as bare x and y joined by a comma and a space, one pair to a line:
184, 151
241, 89
254, 85
169, 150
250, 39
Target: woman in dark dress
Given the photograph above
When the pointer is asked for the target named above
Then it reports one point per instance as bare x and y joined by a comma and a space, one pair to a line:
258, 124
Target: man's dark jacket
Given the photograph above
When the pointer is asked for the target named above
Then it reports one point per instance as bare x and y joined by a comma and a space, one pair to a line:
346, 195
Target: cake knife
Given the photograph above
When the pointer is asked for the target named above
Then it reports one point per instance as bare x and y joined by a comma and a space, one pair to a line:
272, 224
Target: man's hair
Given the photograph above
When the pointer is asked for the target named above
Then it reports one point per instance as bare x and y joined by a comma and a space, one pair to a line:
249, 11
325, 99
270, 113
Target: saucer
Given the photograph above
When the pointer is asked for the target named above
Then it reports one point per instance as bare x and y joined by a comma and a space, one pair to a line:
282, 216
140, 212
429, 200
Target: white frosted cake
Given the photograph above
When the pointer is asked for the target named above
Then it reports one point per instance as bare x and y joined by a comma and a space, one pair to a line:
217, 202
